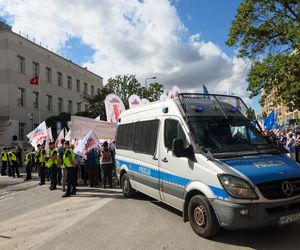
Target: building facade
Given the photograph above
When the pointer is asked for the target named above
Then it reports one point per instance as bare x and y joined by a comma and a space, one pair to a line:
61, 85
283, 113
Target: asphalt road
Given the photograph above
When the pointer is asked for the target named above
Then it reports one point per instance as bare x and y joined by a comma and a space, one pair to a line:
32, 217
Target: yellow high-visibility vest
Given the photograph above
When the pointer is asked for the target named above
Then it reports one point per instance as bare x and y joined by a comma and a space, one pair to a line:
66, 160
4, 156
12, 156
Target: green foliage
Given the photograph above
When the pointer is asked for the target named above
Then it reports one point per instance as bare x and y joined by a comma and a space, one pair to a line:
268, 33
250, 113
64, 118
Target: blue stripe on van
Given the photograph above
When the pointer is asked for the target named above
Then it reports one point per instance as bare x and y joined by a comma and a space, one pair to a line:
167, 177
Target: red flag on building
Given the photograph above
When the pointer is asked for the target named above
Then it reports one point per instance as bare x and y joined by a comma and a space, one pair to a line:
34, 80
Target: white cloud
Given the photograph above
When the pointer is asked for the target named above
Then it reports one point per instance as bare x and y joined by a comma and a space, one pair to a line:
146, 38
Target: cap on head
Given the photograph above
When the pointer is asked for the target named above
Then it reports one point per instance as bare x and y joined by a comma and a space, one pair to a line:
67, 143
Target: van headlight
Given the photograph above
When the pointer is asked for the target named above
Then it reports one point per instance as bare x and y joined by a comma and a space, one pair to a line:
237, 187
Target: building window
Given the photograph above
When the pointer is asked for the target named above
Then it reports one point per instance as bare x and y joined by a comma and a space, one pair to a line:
59, 79
60, 104
78, 107
35, 100
49, 102
77, 85
48, 74
92, 91
85, 88
35, 69
21, 64
70, 107
22, 131
86, 107
69, 82
98, 90
21, 95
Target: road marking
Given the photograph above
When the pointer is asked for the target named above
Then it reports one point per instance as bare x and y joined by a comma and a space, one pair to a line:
35, 228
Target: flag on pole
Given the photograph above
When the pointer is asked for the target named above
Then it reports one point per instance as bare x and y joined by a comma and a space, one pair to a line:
68, 136
38, 132
205, 91
34, 80
270, 121
89, 142
59, 137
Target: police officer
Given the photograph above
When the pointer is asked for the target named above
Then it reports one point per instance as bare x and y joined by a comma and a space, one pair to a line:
13, 162
51, 164
4, 160
41, 163
29, 160
68, 161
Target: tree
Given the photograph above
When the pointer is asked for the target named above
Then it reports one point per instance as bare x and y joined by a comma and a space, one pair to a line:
64, 118
267, 32
124, 86
250, 113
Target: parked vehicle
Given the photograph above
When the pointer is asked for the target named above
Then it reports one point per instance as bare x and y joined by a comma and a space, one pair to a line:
202, 156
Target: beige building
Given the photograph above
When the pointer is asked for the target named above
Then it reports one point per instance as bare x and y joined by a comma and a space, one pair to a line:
282, 112
60, 89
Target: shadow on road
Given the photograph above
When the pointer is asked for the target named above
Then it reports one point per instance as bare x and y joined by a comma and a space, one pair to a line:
283, 237
99, 193
277, 237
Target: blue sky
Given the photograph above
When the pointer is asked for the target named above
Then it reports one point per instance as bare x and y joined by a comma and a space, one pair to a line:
181, 42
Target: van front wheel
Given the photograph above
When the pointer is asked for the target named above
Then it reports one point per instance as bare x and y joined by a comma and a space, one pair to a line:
202, 217
127, 190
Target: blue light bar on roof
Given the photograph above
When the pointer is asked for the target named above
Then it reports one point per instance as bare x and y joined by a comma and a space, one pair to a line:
199, 108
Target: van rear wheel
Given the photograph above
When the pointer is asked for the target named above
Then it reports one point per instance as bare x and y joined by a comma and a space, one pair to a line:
127, 190
202, 217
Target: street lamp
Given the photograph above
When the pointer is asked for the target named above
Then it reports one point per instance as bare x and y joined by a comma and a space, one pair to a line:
149, 78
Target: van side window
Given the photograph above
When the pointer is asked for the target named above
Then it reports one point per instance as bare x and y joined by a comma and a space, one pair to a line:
124, 137
173, 130
145, 137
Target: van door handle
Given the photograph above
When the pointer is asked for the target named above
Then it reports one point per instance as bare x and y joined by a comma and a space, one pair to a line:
165, 160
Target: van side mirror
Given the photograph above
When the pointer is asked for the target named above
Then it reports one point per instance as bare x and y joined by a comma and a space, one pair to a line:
179, 150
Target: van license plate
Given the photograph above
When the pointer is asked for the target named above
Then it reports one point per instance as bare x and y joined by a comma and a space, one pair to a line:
288, 219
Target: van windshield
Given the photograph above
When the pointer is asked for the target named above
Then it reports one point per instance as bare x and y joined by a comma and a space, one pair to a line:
229, 137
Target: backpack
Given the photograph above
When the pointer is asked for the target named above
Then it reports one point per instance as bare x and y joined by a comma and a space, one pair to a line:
106, 156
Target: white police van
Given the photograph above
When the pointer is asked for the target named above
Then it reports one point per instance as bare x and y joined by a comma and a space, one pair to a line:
201, 155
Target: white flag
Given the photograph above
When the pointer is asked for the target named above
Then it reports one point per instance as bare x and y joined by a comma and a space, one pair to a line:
59, 137
68, 136
144, 101
163, 96
114, 106
134, 101
89, 142
38, 132
49, 132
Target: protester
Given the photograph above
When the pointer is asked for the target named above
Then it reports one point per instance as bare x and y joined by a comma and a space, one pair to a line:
297, 146
107, 164
92, 168
61, 177
290, 145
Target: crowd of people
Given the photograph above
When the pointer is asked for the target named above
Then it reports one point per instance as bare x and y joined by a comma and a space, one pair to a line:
289, 139
61, 167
